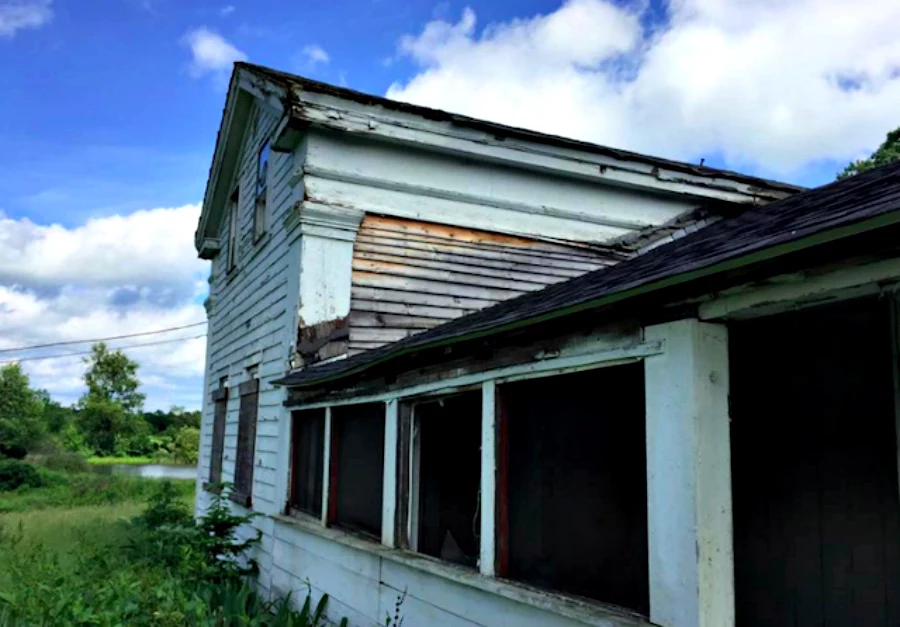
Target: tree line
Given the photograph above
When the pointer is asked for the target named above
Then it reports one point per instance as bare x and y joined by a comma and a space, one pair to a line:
108, 420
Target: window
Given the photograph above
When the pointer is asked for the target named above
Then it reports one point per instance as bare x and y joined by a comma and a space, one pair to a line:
307, 463
262, 180
448, 443
246, 444
357, 463
572, 496
220, 398
233, 205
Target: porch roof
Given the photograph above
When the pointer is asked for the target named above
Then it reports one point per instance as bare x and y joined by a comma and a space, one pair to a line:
826, 214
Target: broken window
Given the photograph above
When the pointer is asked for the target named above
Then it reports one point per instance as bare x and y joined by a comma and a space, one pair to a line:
357, 463
246, 444
220, 398
262, 181
448, 435
572, 495
307, 460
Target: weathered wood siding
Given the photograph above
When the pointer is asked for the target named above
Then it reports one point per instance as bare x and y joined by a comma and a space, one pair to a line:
409, 275
248, 324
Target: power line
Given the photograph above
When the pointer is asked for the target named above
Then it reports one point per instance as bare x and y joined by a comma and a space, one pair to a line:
101, 339
119, 348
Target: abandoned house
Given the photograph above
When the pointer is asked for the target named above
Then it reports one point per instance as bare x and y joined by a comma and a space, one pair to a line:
504, 378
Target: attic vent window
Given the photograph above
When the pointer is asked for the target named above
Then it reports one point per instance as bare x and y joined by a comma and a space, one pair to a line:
262, 179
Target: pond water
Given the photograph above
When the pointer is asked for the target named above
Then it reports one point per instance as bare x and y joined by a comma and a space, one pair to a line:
151, 471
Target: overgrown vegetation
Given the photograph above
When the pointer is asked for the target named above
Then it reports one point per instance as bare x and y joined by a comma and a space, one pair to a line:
108, 420
157, 568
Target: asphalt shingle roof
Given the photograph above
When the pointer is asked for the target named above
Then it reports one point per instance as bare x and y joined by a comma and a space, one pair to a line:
824, 209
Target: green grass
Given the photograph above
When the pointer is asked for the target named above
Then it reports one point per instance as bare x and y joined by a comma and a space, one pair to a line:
107, 461
80, 490
64, 562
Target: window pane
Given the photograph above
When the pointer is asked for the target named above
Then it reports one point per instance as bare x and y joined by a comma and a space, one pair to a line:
576, 484
450, 477
308, 449
218, 441
358, 450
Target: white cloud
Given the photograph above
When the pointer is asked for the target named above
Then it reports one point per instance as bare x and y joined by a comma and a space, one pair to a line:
211, 53
227, 10
111, 276
777, 84
145, 247
315, 54
16, 15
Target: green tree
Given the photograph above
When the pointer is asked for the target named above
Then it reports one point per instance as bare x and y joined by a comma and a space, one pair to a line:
21, 412
110, 409
888, 152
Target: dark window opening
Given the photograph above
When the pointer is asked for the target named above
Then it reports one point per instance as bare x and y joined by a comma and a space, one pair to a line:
449, 520
246, 444
357, 467
814, 468
220, 397
573, 490
307, 463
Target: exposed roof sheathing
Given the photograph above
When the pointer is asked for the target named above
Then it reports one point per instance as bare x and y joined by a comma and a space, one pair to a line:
868, 200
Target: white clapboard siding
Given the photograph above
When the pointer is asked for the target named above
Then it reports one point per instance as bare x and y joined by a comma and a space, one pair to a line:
409, 276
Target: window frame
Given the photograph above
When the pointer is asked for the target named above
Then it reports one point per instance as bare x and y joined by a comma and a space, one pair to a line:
245, 455
220, 418
292, 507
260, 202
332, 485
234, 204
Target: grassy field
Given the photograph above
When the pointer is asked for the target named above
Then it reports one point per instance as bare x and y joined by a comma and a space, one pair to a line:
135, 461
82, 549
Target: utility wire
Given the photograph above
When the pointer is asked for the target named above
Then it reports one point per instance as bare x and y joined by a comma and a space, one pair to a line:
101, 339
118, 348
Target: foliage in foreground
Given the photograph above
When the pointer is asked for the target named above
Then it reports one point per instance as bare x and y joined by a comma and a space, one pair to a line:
158, 570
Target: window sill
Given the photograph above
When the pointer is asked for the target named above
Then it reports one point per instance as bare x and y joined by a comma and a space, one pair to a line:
579, 609
243, 500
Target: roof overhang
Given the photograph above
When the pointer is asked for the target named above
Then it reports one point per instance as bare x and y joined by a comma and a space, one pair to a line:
304, 103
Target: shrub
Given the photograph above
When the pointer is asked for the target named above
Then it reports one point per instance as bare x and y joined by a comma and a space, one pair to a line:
15, 473
64, 461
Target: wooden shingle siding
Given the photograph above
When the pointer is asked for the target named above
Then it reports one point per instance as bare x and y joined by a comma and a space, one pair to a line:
409, 276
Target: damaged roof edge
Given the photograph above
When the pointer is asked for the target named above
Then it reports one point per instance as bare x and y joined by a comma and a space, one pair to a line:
827, 214
291, 80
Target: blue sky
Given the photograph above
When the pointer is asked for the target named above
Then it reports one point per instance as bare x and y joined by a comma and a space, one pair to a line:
110, 109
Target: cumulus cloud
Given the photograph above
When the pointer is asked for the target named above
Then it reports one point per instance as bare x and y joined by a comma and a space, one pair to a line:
112, 276
314, 54
227, 10
16, 15
774, 84
211, 53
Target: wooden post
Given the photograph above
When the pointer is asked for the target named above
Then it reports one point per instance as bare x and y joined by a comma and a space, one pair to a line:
327, 501
691, 559
389, 490
487, 557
